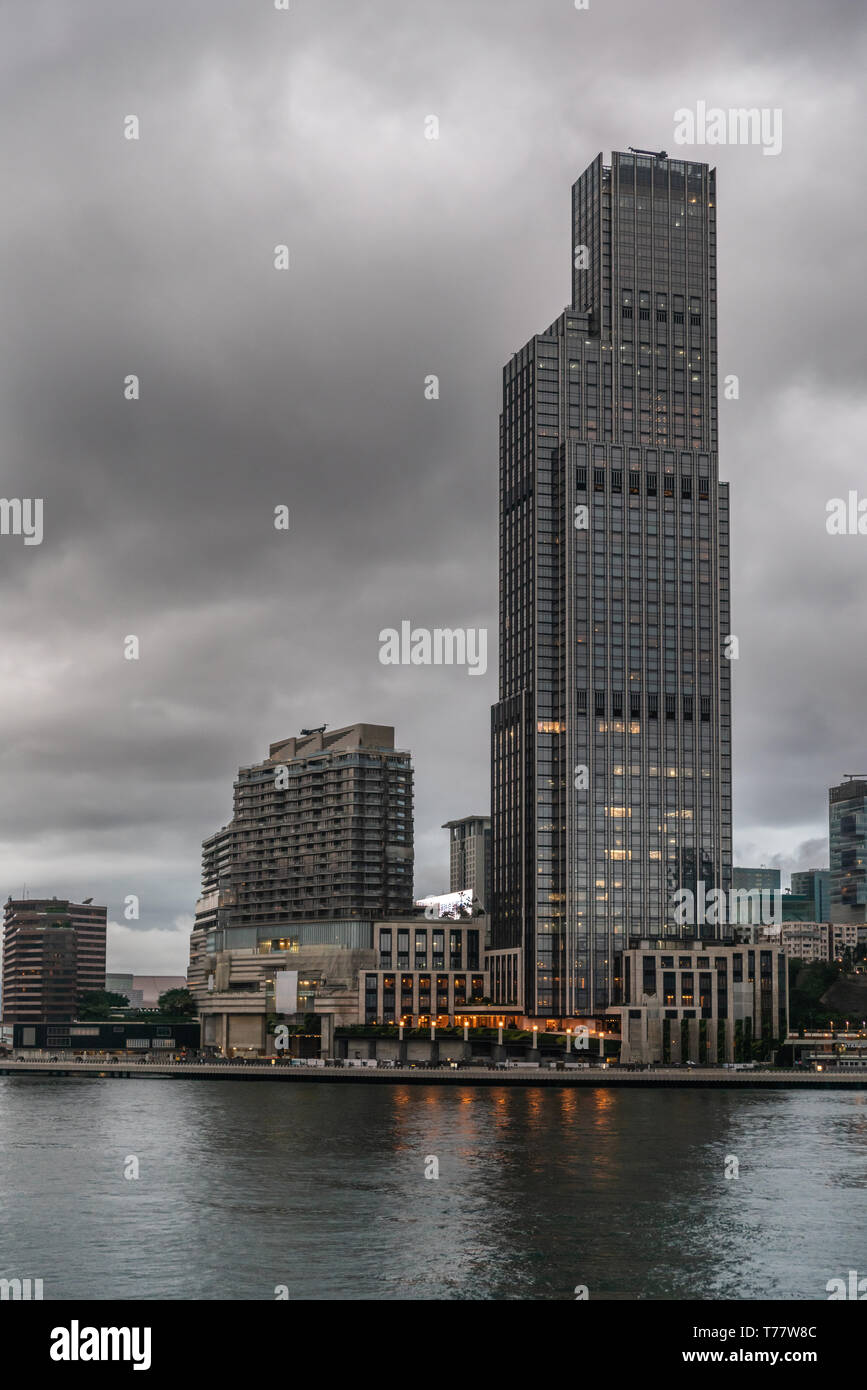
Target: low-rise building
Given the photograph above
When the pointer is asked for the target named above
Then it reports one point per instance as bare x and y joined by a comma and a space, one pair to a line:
700, 1001
807, 941
847, 936
426, 972
827, 1050
346, 972
235, 985
71, 1038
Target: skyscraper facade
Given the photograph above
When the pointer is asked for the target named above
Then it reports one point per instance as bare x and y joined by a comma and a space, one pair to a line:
53, 952
611, 740
322, 830
319, 848
815, 884
470, 857
761, 880
754, 881
847, 836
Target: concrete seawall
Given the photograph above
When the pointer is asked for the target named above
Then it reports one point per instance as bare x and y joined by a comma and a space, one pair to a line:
445, 1076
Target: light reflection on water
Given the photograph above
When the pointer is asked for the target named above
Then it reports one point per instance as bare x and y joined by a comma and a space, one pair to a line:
247, 1185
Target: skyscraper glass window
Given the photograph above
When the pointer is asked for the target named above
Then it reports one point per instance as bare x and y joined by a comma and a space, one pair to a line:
611, 739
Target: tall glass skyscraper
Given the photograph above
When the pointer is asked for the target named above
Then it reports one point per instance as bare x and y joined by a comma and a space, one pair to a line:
611, 740
814, 884
847, 827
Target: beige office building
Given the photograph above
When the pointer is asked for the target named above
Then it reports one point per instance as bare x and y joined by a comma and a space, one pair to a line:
701, 1002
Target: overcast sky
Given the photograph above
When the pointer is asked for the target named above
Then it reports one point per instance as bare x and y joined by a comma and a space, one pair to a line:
408, 256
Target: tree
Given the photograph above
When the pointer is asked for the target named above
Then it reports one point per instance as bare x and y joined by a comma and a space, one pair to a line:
807, 984
98, 1003
178, 1003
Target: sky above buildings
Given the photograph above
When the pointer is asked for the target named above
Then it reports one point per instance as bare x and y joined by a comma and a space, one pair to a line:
305, 388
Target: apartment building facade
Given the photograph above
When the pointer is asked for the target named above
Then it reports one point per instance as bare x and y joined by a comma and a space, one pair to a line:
53, 952
320, 846
470, 857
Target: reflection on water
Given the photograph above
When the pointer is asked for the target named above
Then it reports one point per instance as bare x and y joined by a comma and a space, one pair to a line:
247, 1185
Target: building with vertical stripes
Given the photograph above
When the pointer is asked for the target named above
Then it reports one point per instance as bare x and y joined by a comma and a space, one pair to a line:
611, 738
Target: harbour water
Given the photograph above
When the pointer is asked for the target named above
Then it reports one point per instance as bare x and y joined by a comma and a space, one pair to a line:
256, 1191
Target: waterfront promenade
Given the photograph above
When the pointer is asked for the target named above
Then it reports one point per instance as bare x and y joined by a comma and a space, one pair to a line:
682, 1078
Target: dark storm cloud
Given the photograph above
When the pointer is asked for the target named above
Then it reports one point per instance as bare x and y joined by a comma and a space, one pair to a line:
408, 257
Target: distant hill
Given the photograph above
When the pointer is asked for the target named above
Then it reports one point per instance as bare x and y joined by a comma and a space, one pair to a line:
848, 996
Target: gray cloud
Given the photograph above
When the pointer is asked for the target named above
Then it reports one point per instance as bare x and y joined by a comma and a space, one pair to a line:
306, 388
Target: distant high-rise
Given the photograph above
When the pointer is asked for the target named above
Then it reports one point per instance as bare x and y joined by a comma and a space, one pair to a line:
847, 835
143, 991
319, 848
753, 881
798, 907
815, 884
53, 952
323, 828
611, 740
763, 880
470, 857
